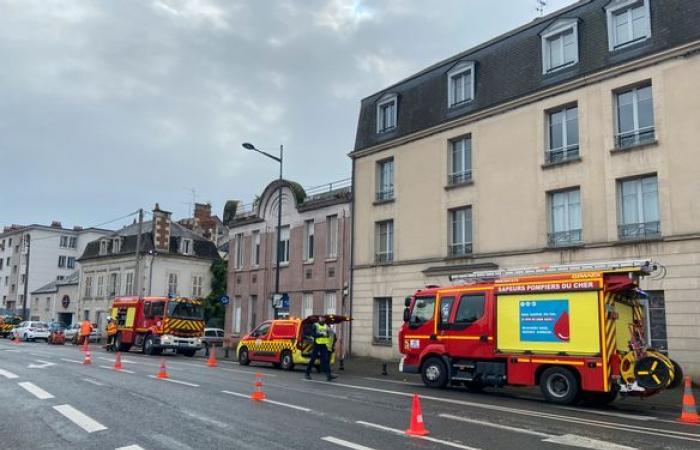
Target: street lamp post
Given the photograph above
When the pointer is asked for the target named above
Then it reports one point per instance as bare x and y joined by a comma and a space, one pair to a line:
249, 146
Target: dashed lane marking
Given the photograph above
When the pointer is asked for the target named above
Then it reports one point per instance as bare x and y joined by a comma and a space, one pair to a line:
71, 360
403, 383
611, 414
287, 405
425, 438
91, 381
8, 375
567, 439
35, 390
170, 380
130, 447
344, 443
85, 422
117, 370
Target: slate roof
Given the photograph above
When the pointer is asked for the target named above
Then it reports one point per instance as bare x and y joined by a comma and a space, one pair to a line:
202, 247
510, 66
53, 286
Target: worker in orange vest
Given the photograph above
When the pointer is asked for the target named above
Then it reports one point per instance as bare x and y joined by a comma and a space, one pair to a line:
111, 334
85, 330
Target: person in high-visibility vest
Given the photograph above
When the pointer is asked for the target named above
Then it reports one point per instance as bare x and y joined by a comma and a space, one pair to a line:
321, 334
111, 334
85, 330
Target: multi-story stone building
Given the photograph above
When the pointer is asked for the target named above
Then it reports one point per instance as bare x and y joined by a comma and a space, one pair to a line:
52, 252
315, 255
173, 261
572, 138
57, 300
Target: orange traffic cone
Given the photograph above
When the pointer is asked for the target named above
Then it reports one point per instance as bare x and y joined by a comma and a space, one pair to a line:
417, 427
689, 413
88, 358
118, 362
211, 362
86, 346
16, 339
162, 373
258, 394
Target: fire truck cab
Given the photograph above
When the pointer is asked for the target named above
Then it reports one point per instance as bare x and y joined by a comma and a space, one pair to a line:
158, 323
577, 331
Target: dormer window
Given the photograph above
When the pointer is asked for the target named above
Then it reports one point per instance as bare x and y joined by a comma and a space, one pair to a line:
186, 246
560, 45
629, 22
460, 84
116, 245
386, 113
104, 246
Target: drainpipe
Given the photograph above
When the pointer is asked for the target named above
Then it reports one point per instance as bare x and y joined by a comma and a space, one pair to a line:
352, 254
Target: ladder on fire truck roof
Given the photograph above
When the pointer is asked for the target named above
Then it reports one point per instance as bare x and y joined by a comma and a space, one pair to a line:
646, 266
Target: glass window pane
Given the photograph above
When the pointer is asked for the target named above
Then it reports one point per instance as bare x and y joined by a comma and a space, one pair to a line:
467, 145
572, 126
630, 210
650, 199
457, 86
467, 225
556, 136
467, 79
621, 26
645, 107
555, 51
457, 160
574, 198
625, 113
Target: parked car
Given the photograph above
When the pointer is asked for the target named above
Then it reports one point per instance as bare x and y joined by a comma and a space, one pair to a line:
72, 334
56, 333
71, 330
31, 330
213, 337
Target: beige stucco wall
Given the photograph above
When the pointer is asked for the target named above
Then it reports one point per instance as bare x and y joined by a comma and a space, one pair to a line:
509, 199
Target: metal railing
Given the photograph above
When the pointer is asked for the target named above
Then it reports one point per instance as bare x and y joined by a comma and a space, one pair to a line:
384, 257
645, 230
459, 177
386, 194
460, 249
635, 137
245, 210
564, 238
329, 189
561, 154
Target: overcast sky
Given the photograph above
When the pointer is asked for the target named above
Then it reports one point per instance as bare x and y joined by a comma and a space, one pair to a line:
108, 106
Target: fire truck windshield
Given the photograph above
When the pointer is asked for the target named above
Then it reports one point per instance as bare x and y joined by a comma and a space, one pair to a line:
423, 310
184, 310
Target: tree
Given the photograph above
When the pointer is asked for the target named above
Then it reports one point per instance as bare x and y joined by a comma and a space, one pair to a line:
214, 311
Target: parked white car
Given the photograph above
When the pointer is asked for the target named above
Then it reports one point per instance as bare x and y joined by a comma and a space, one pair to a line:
31, 331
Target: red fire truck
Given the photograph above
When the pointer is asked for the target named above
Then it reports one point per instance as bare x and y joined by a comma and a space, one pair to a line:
577, 331
158, 323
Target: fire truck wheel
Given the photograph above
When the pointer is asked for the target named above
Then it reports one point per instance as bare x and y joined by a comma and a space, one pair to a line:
434, 373
559, 386
286, 361
243, 358
148, 347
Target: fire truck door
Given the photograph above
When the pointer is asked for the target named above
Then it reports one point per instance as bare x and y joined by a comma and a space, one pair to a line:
468, 333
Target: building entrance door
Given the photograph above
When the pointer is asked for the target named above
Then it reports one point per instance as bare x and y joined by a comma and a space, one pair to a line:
66, 318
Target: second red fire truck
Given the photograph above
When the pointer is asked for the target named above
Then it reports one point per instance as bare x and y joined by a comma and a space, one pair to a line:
580, 332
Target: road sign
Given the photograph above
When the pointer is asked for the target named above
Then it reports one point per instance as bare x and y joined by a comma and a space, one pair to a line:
224, 300
280, 300
284, 301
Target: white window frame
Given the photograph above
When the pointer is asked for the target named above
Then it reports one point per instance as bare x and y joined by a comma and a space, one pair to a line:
309, 242
385, 189
330, 305
62, 261
238, 249
307, 305
129, 283
172, 284
88, 285
284, 241
197, 281
113, 284
574, 234
383, 127
460, 175
73, 242
566, 147
460, 69
332, 236
613, 8
643, 218
186, 246
236, 315
70, 262
387, 337
63, 242
386, 256
635, 114
557, 31
116, 245
104, 246
100, 285
255, 248
465, 242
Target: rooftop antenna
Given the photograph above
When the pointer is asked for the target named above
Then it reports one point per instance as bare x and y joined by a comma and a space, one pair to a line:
541, 4
190, 205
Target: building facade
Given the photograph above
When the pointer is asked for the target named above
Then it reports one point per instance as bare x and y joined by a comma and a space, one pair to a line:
570, 139
315, 255
174, 261
57, 301
52, 253
204, 224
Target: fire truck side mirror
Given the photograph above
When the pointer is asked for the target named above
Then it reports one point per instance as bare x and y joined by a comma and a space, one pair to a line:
406, 315
407, 302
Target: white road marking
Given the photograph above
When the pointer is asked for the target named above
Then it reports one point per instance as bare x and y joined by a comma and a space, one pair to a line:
42, 364
287, 405
130, 447
344, 443
403, 383
173, 381
7, 374
40, 355
611, 414
496, 425
118, 370
695, 437
425, 438
91, 381
35, 390
83, 421
12, 350
71, 360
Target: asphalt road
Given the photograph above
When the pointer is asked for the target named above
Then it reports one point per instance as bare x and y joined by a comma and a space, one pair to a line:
49, 400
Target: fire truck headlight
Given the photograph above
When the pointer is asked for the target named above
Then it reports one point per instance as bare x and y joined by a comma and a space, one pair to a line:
165, 339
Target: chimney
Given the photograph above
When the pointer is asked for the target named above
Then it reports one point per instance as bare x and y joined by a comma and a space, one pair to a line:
161, 229
56, 224
202, 211
77, 228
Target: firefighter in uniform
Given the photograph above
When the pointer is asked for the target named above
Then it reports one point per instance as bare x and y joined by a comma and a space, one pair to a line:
111, 334
85, 330
322, 339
